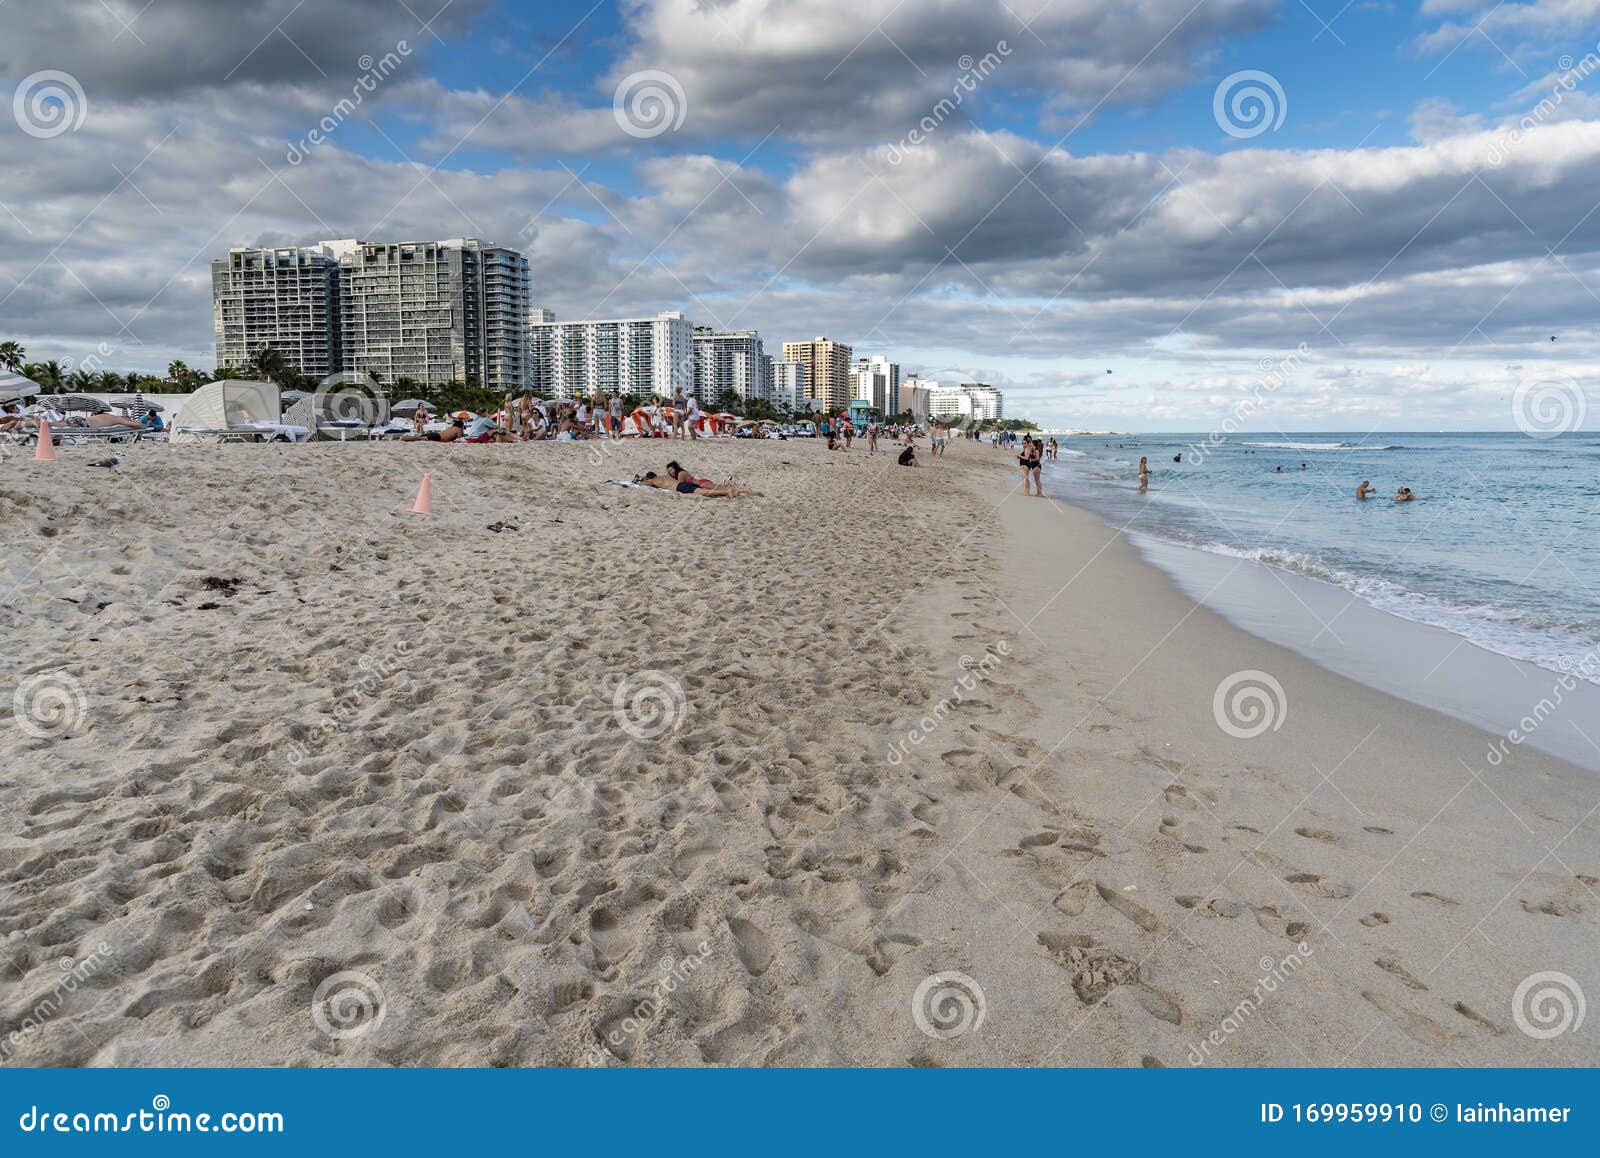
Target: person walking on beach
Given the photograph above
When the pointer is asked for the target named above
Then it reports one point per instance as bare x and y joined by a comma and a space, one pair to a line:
614, 412
848, 430
692, 419
1028, 460
872, 438
678, 404
1363, 490
1144, 473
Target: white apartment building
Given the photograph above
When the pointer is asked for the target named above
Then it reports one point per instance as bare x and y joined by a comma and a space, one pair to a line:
435, 312
876, 381
729, 363
638, 356
969, 402
789, 384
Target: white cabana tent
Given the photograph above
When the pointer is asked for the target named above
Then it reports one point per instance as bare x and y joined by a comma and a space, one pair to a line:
14, 387
232, 409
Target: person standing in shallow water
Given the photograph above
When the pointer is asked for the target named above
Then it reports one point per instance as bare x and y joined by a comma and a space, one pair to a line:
1144, 473
1363, 490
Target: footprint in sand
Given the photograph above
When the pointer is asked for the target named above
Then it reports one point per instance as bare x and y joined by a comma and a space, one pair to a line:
1321, 834
754, 947
1216, 907
1477, 1018
1436, 898
1129, 908
1183, 833
1074, 899
1389, 965
1414, 1025
1319, 886
1372, 920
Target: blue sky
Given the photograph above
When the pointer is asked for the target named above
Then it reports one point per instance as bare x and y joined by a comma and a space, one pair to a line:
1398, 248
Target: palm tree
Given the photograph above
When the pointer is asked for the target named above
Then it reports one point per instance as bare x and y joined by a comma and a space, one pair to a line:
267, 364
11, 355
82, 381
178, 373
49, 376
109, 381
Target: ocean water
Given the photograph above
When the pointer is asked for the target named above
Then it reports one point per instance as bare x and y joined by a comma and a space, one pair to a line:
1502, 547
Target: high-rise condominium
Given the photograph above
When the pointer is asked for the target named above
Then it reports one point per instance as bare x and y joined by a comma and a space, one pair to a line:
434, 311
789, 387
730, 363
638, 356
970, 401
283, 299
876, 381
827, 366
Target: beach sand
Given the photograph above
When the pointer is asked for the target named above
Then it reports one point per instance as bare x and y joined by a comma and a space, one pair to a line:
877, 767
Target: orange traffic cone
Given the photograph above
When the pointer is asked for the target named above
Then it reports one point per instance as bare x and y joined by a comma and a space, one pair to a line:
424, 503
46, 450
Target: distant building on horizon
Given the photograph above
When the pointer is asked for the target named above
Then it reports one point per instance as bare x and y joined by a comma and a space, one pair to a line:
790, 386
876, 381
730, 363
645, 357
968, 402
914, 396
827, 366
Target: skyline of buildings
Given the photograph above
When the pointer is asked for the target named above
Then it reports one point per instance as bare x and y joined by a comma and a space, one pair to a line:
460, 310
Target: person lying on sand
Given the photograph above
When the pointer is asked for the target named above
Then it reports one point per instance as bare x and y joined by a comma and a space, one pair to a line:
686, 486
1363, 490
484, 429
1405, 496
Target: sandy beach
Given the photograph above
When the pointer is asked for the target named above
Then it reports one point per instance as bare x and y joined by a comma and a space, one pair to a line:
571, 774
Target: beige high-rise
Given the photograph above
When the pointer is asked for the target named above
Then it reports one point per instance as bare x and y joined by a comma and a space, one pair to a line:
827, 366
